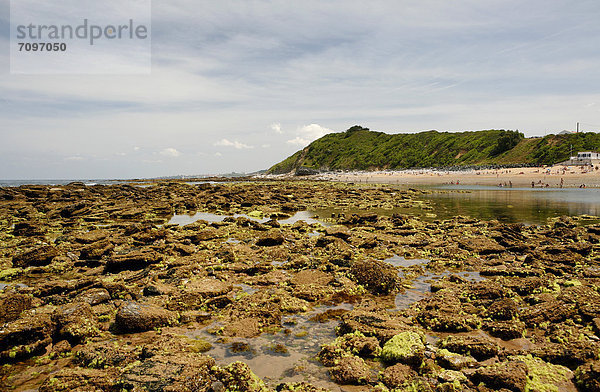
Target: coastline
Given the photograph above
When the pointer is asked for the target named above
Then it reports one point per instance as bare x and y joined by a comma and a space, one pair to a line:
542, 177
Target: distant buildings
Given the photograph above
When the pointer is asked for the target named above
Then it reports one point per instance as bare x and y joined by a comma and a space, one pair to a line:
583, 158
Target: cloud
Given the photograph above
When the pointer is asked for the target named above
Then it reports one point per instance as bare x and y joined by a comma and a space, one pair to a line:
276, 127
234, 144
74, 158
170, 152
309, 133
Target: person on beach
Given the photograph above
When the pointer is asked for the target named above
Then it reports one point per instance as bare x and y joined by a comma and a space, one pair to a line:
532, 184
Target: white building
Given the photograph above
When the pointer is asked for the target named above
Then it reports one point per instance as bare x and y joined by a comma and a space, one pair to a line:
583, 158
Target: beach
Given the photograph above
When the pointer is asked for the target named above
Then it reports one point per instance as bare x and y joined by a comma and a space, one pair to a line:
523, 177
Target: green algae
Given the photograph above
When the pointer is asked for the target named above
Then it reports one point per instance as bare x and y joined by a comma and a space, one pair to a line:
406, 347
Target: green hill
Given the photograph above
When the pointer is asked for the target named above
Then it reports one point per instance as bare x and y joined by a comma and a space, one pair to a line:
359, 148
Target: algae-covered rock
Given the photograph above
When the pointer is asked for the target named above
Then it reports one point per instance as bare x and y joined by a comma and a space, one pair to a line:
395, 376
453, 361
79, 379
12, 305
28, 335
36, 257
351, 370
238, 377
138, 317
76, 322
406, 347
272, 237
479, 347
511, 375
298, 387
378, 277
134, 260
545, 377
587, 377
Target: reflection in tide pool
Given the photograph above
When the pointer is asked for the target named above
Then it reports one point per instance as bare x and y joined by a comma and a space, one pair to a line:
399, 261
514, 205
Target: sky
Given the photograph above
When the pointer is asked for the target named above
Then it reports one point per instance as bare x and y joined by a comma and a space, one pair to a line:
240, 85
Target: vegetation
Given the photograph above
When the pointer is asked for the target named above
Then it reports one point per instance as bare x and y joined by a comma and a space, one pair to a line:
361, 149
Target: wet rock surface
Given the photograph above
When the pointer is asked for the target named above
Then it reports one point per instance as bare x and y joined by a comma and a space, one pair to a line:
101, 293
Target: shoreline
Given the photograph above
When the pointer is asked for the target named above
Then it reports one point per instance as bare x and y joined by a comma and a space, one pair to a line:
524, 177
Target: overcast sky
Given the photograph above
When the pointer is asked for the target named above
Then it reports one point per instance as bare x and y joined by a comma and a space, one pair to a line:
241, 85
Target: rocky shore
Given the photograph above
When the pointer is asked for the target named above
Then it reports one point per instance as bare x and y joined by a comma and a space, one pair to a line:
99, 292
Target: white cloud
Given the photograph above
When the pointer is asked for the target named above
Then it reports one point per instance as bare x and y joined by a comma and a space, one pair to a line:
309, 133
74, 158
298, 141
276, 127
234, 144
170, 152
218, 154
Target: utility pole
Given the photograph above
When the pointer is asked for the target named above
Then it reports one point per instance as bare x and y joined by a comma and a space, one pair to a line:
577, 127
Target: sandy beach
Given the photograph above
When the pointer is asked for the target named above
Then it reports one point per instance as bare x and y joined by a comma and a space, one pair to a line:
538, 177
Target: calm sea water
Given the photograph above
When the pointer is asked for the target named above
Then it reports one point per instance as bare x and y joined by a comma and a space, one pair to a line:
11, 183
524, 205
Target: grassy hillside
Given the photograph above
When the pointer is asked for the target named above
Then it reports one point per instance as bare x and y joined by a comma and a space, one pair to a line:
361, 149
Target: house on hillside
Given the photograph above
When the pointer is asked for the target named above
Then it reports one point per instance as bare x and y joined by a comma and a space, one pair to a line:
583, 158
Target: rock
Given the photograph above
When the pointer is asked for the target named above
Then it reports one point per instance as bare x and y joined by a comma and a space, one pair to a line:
587, 377
207, 234
98, 355
28, 335
36, 257
298, 387
156, 288
79, 380
96, 250
12, 305
133, 260
376, 324
272, 237
94, 296
330, 354
360, 345
502, 309
596, 326
29, 229
443, 311
75, 322
454, 361
91, 236
237, 376
395, 376
338, 231
483, 246
480, 348
377, 276
542, 376
201, 292
511, 375
406, 347
351, 370
571, 353
505, 330
138, 317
